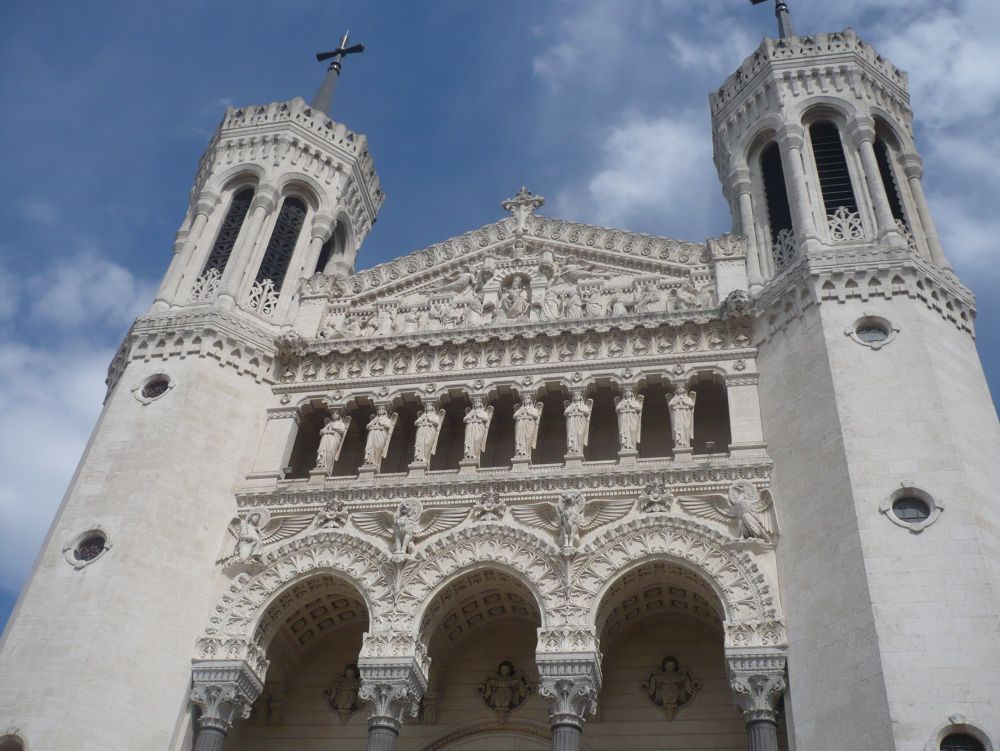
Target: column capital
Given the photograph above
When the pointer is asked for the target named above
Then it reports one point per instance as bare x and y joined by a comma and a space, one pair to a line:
758, 683
570, 682
791, 136
224, 691
913, 165
206, 203
394, 687
322, 226
265, 197
861, 129
738, 181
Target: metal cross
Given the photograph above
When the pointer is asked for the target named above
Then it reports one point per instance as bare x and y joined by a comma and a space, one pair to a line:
324, 97
784, 16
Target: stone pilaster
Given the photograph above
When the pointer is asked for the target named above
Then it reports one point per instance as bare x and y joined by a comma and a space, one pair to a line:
758, 682
570, 682
224, 691
393, 687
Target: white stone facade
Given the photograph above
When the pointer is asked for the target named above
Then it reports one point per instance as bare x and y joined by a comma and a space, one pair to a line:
544, 485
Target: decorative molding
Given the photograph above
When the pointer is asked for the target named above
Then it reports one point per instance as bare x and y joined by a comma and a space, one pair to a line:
224, 691
758, 683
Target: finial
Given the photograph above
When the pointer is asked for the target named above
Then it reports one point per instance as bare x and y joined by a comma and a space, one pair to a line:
522, 206
324, 97
784, 16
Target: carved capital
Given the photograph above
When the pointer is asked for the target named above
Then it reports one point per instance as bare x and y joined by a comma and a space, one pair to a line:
913, 165
570, 682
791, 136
206, 202
758, 683
393, 688
266, 197
739, 181
224, 691
322, 226
861, 129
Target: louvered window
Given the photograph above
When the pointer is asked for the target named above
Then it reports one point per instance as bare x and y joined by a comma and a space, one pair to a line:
779, 216
889, 179
225, 241
831, 164
280, 247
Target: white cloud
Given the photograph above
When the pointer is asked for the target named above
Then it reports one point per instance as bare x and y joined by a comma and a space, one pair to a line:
39, 210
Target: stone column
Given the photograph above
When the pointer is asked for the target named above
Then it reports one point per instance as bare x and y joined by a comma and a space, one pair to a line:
393, 687
570, 682
740, 186
184, 251
264, 202
322, 228
758, 683
913, 168
791, 139
224, 691
862, 134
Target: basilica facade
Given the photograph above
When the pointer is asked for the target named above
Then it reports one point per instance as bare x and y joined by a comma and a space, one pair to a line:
544, 485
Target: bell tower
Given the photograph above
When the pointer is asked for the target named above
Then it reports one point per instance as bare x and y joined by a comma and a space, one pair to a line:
876, 411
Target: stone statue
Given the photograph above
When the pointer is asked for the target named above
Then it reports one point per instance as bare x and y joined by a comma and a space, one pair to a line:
526, 420
380, 429
250, 540
407, 321
505, 691
343, 695
333, 515
257, 530
593, 306
571, 516
428, 429
647, 298
744, 505
409, 524
629, 410
619, 304
514, 302
331, 440
573, 305
670, 686
551, 304
681, 406
577, 414
380, 324
477, 426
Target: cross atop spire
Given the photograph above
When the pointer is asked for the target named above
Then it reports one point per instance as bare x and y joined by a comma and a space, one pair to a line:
784, 16
324, 97
522, 206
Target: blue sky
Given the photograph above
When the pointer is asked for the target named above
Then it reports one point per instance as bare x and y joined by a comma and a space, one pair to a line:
599, 105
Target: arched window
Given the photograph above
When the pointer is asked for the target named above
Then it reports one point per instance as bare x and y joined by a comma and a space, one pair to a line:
229, 231
11, 743
779, 215
334, 246
961, 742
883, 157
280, 247
831, 165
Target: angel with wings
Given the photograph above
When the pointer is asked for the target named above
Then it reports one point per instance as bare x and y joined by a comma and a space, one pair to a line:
409, 524
467, 281
428, 430
477, 426
255, 531
571, 516
379, 434
331, 440
629, 410
577, 413
526, 420
744, 505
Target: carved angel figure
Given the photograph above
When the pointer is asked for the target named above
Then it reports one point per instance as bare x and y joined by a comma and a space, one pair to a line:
744, 505
343, 695
681, 406
577, 414
331, 440
428, 429
255, 531
477, 426
380, 429
671, 686
333, 515
571, 516
409, 524
506, 690
629, 410
526, 420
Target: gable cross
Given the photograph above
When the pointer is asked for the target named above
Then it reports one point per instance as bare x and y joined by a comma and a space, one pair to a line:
522, 206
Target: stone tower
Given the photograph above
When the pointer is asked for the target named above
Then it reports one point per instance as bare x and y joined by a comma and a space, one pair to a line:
875, 407
98, 651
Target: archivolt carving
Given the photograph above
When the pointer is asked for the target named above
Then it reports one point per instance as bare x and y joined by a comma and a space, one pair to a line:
740, 585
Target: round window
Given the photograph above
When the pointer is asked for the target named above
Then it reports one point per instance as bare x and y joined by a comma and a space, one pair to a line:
911, 510
961, 742
90, 547
871, 333
156, 387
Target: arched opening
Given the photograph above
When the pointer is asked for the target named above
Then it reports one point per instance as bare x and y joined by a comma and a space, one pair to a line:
779, 214
312, 634
885, 147
831, 166
11, 743
400, 452
481, 633
550, 447
712, 431
602, 444
451, 441
500, 442
656, 433
961, 742
332, 248
281, 245
229, 231
312, 418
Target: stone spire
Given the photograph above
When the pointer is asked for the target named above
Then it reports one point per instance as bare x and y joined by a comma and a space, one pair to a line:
784, 16
324, 97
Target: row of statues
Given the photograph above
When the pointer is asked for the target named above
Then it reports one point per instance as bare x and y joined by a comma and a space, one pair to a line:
527, 419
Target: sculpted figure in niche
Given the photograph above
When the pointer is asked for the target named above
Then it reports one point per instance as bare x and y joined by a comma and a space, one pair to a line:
343, 695
380, 324
671, 686
573, 304
331, 440
477, 427
577, 413
514, 302
447, 315
551, 304
479, 313
647, 298
380, 429
407, 322
681, 406
505, 691
526, 420
428, 430
592, 305
629, 410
